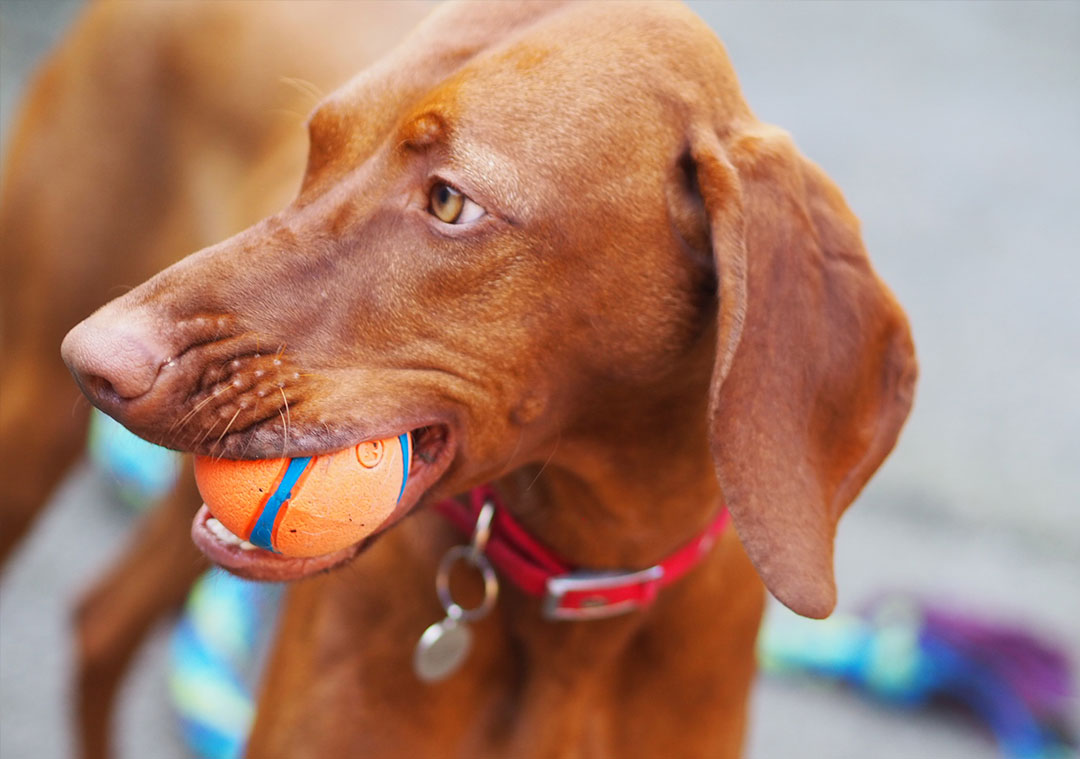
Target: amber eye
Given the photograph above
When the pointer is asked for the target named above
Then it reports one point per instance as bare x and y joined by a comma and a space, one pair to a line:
451, 206
446, 203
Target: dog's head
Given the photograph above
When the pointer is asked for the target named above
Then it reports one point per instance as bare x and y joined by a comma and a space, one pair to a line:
521, 216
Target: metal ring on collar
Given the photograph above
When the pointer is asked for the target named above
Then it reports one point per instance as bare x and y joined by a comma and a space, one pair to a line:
474, 555
482, 531
454, 610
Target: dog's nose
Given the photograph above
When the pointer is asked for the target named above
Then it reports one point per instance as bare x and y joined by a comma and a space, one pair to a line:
112, 359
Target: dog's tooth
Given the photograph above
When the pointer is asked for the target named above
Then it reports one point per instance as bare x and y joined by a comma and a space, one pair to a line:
247, 546
222, 533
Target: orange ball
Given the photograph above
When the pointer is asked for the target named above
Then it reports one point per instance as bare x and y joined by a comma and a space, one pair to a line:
307, 506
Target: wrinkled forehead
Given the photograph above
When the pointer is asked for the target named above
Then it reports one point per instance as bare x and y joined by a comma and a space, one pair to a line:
554, 104
561, 87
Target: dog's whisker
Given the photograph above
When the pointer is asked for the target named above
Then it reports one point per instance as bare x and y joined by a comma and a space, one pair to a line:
285, 419
304, 86
78, 401
179, 425
547, 461
225, 431
285, 434
182, 423
209, 431
517, 447
250, 436
247, 444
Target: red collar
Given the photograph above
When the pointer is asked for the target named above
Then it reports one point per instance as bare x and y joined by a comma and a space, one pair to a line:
570, 592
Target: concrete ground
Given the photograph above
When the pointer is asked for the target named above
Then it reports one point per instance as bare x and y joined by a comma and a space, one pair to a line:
952, 129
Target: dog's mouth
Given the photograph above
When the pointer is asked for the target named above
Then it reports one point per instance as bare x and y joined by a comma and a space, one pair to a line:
433, 452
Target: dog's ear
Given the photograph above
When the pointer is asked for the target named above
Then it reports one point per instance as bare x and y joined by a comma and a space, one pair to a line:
815, 369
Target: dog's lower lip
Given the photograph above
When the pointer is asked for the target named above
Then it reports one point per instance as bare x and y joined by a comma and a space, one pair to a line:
257, 564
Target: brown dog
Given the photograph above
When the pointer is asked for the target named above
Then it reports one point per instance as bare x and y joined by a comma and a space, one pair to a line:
554, 242
139, 141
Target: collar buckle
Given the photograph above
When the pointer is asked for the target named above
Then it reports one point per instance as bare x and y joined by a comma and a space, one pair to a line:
597, 595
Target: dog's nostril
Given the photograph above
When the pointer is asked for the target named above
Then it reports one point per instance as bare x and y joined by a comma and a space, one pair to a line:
100, 388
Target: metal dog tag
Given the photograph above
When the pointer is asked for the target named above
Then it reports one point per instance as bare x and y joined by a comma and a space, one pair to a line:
443, 647
441, 650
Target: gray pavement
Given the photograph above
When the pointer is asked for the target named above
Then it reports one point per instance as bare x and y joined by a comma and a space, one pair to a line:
953, 130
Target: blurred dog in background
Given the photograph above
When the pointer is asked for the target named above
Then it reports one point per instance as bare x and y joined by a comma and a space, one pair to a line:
153, 130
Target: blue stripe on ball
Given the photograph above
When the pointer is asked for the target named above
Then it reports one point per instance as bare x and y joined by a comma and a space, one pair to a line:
262, 534
404, 440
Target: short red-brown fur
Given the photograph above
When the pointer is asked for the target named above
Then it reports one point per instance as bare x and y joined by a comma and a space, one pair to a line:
668, 308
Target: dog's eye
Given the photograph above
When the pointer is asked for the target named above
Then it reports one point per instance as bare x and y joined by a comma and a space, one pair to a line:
449, 205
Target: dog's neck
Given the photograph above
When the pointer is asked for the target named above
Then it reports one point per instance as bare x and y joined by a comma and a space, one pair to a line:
623, 497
